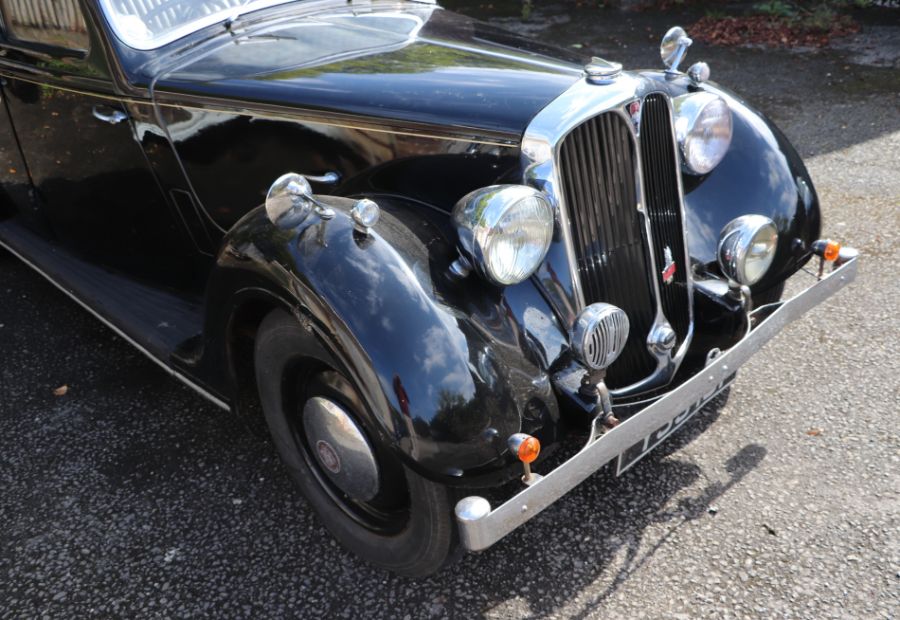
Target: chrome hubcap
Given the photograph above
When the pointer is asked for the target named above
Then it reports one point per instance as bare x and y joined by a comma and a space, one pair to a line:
340, 448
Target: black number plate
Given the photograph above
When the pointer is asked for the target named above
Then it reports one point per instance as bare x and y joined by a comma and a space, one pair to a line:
639, 450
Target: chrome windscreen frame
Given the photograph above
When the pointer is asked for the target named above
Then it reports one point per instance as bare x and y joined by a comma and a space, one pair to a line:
116, 23
222, 15
541, 145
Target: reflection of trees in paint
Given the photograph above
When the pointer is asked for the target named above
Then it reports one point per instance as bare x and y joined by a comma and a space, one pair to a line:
458, 417
406, 60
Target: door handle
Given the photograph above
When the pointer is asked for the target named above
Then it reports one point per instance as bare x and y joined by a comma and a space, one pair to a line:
109, 115
329, 178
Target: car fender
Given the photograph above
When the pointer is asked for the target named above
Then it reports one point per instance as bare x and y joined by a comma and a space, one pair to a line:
446, 366
761, 173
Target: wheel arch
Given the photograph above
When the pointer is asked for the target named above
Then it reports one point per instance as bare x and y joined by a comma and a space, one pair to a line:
252, 307
327, 275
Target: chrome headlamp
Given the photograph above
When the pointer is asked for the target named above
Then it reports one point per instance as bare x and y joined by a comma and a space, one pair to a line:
747, 247
703, 126
504, 231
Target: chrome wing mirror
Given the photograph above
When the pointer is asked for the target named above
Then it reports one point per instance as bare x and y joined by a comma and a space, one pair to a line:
673, 48
290, 200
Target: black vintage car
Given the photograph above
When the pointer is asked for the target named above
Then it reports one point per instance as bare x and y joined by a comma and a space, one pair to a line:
427, 250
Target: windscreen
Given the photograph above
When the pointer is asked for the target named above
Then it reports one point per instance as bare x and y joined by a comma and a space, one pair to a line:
148, 24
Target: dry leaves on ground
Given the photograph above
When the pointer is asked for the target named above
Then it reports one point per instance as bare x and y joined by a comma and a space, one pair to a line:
768, 30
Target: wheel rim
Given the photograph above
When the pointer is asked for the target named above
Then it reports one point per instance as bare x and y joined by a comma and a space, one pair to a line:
388, 511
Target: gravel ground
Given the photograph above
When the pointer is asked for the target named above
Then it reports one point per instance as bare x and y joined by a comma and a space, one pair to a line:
131, 496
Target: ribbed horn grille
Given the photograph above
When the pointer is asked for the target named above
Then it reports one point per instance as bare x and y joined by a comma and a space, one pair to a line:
607, 340
600, 334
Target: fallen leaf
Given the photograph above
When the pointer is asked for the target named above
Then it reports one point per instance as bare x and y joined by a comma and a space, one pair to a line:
814, 432
61, 390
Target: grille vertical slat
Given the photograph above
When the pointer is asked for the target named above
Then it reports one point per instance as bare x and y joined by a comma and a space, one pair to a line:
664, 209
589, 151
598, 162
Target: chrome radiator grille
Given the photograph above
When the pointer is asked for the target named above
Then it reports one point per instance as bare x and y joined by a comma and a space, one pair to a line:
597, 164
663, 207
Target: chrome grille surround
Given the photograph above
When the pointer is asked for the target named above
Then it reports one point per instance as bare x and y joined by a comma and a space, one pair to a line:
558, 276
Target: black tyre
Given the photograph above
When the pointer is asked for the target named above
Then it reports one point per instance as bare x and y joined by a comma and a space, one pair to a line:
407, 527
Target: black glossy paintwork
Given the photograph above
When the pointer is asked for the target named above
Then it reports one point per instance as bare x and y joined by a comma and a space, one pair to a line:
761, 173
414, 118
434, 68
458, 90
232, 158
96, 192
447, 368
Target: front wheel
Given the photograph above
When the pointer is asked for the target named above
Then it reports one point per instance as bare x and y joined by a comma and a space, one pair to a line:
374, 505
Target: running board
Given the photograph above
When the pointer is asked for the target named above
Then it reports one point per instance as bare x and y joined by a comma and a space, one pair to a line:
156, 322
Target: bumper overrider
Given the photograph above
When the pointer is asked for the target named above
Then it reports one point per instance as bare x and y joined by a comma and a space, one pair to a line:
480, 526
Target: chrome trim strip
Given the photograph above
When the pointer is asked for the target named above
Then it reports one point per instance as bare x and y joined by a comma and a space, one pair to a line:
689, 271
388, 126
480, 527
201, 391
528, 59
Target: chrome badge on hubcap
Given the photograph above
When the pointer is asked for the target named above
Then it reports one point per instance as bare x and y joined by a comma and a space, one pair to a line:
328, 457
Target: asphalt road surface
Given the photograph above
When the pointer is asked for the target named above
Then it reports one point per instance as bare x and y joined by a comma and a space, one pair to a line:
131, 496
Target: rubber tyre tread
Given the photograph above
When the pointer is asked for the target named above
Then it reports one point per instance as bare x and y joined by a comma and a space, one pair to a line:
429, 538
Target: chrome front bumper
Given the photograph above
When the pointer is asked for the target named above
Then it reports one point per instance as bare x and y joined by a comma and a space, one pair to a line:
480, 527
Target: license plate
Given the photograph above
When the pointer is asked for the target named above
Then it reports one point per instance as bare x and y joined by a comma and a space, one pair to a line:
639, 450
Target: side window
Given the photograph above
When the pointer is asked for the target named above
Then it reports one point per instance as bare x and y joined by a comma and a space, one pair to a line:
56, 23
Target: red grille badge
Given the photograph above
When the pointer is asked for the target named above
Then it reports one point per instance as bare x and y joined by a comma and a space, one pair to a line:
668, 273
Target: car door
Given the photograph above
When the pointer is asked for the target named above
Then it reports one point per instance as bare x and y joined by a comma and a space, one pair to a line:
94, 186
15, 185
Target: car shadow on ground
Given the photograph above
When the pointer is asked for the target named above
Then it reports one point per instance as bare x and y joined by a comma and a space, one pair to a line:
149, 493
601, 526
